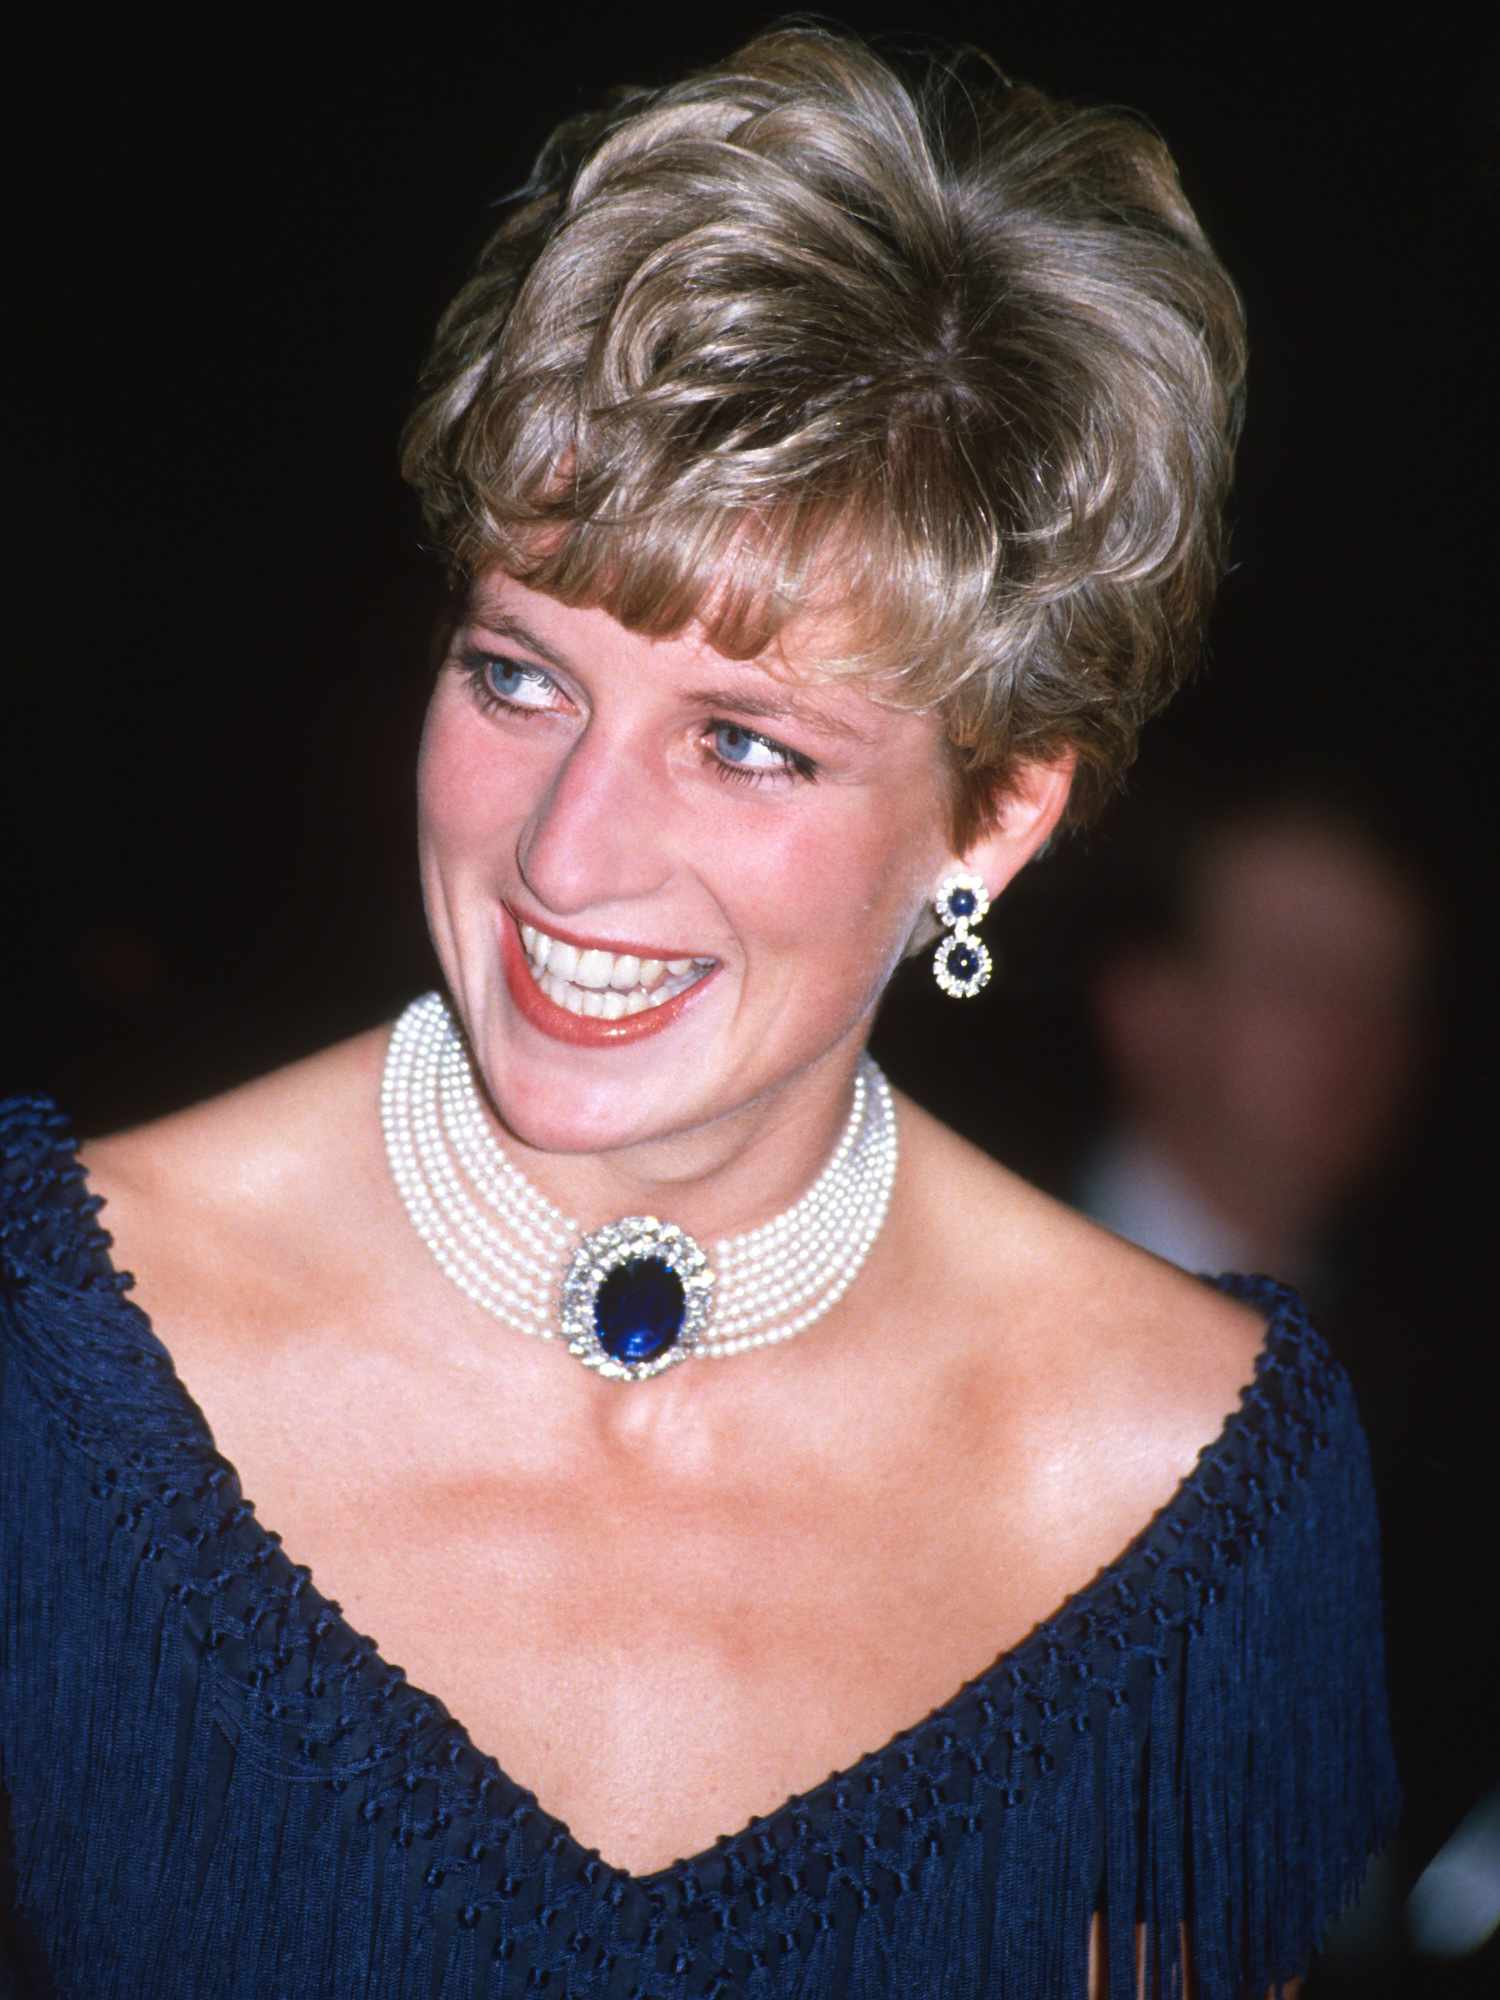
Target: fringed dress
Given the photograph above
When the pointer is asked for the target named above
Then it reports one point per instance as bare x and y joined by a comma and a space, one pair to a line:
212, 1788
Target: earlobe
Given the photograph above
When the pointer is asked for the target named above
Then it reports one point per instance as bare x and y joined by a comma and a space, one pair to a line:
1026, 816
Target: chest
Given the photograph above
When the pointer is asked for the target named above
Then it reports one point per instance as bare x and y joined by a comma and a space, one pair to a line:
658, 1661
659, 1647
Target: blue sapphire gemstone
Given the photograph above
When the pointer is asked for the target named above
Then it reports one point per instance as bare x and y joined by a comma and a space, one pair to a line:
639, 1310
962, 903
964, 962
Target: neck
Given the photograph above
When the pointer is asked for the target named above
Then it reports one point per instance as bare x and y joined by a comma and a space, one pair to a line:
719, 1180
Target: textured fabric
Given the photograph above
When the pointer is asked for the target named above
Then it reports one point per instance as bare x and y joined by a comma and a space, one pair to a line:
213, 1786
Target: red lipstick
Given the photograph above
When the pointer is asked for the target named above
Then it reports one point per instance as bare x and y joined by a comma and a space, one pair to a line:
583, 1031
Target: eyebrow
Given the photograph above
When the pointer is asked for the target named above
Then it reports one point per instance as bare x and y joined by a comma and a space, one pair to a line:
494, 618
763, 707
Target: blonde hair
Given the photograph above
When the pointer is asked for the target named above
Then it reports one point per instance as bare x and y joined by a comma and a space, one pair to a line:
947, 361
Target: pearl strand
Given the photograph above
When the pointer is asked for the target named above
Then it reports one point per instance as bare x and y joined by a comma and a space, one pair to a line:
499, 1274
509, 1249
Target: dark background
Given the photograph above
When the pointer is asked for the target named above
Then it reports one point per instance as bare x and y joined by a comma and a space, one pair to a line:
225, 256
225, 259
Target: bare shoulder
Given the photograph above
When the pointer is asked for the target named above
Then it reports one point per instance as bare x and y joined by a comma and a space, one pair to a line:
1125, 1366
200, 1197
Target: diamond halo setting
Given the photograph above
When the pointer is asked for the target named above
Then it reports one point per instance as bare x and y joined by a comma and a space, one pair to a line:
962, 965
598, 1321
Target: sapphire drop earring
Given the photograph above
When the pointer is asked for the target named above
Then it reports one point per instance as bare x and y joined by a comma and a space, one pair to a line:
961, 965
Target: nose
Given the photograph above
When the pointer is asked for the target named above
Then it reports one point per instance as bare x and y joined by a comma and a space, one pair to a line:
598, 833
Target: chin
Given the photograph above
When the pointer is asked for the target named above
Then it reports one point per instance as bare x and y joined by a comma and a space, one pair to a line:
565, 1100
568, 1128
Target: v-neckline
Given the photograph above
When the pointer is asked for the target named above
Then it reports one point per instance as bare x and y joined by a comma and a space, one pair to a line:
1015, 1665
1113, 1762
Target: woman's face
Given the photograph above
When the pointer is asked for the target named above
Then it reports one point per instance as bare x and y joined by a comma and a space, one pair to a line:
607, 818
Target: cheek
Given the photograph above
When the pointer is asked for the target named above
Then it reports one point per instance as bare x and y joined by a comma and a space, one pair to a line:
842, 890
465, 792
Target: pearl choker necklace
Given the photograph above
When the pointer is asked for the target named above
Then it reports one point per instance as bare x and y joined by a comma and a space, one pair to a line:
639, 1295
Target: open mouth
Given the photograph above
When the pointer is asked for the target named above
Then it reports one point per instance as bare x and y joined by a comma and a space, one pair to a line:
605, 985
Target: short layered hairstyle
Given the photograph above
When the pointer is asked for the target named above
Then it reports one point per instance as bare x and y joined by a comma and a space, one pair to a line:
926, 359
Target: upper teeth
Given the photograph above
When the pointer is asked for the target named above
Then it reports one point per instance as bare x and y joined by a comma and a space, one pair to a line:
605, 984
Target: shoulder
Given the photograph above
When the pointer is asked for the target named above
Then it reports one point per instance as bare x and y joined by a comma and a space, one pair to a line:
1182, 1476
1111, 1371
248, 1139
261, 1180
1094, 1304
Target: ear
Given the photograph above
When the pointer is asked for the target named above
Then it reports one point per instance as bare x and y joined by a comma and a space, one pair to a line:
1026, 817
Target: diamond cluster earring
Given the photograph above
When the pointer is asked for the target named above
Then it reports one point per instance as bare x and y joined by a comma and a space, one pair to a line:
962, 965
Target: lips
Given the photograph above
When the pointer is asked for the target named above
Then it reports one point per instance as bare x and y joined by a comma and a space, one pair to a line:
590, 995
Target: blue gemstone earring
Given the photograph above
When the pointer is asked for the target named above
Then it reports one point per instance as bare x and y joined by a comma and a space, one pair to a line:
962, 965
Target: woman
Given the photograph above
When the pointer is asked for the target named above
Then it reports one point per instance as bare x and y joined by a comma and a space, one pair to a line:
830, 478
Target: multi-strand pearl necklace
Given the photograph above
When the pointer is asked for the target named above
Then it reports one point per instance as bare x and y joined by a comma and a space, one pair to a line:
638, 1295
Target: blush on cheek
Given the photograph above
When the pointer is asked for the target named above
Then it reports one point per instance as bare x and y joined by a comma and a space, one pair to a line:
466, 778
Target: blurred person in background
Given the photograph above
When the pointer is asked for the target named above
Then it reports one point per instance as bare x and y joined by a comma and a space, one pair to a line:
1265, 1033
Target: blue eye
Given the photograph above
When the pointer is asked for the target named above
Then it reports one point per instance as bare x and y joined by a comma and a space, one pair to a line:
751, 759
747, 751
516, 684
503, 685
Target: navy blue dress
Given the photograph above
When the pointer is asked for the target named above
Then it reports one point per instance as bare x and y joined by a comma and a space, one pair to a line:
214, 1789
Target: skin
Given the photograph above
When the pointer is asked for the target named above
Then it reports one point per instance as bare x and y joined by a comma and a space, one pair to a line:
797, 1553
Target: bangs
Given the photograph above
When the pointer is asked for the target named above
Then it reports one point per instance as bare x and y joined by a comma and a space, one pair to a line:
935, 385
853, 574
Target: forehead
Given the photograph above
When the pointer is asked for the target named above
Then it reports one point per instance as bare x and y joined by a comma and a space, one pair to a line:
789, 682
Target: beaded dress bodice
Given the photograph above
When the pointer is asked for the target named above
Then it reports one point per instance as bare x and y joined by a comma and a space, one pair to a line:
213, 1785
